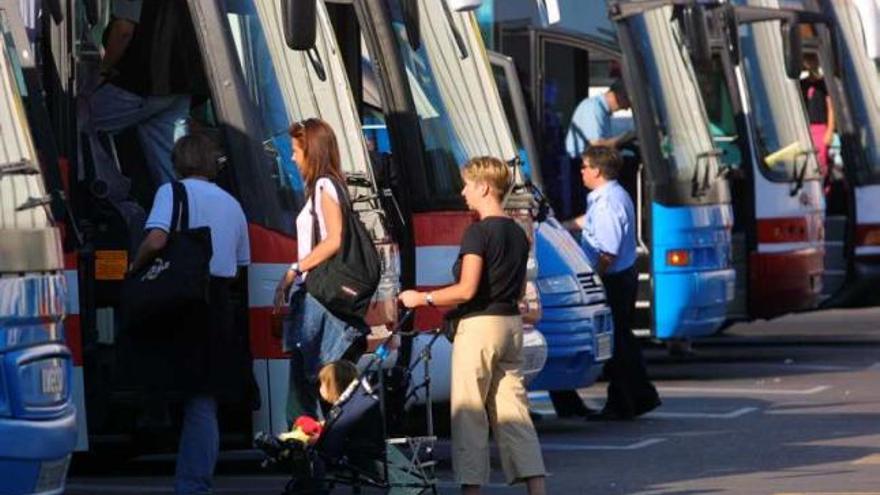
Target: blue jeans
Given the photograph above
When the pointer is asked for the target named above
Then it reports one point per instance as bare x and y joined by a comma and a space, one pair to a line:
112, 109
199, 446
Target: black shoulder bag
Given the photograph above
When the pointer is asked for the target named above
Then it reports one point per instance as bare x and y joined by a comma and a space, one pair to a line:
345, 283
179, 275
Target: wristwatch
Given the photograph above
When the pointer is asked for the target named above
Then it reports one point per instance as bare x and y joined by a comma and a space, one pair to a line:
429, 298
294, 267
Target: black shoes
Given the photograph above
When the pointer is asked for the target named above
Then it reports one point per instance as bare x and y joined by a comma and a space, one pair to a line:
611, 414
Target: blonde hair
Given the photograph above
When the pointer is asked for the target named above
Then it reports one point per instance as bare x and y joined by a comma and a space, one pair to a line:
490, 171
336, 377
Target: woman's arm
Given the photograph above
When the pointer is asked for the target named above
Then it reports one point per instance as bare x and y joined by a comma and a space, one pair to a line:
323, 251
155, 240
832, 121
458, 293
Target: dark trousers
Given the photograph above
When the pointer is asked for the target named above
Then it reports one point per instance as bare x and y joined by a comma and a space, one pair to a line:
630, 392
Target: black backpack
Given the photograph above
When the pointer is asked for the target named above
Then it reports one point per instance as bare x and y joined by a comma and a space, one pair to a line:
345, 283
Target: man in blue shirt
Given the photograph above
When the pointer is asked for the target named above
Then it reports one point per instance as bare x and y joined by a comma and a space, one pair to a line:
591, 121
608, 230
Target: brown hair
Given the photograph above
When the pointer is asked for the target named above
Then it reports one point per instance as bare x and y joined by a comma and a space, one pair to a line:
491, 171
336, 377
196, 154
605, 158
321, 151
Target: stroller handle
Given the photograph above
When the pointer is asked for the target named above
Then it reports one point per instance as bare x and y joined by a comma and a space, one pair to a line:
382, 350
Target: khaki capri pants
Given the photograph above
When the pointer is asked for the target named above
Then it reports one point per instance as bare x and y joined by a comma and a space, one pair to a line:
488, 389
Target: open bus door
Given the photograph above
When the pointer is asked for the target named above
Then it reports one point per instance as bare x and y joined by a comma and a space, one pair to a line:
256, 87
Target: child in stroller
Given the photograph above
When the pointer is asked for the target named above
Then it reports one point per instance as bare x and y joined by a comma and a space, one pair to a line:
350, 447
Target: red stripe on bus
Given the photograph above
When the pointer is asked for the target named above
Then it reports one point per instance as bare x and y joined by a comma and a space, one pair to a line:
443, 228
73, 338
70, 261
428, 318
782, 230
868, 234
263, 344
271, 246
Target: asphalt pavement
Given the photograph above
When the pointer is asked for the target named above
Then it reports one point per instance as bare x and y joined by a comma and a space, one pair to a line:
790, 406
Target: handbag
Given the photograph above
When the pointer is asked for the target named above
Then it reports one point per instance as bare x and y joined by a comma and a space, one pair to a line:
179, 275
345, 283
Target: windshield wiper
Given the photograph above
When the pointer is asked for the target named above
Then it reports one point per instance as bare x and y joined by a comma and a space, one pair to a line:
800, 173
700, 185
459, 41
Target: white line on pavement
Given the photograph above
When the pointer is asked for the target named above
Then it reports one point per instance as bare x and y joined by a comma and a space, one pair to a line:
696, 415
572, 447
744, 391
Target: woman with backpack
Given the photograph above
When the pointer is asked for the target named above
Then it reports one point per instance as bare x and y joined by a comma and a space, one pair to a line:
320, 328
487, 386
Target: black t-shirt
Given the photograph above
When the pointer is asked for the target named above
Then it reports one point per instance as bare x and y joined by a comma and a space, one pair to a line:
815, 93
163, 56
504, 247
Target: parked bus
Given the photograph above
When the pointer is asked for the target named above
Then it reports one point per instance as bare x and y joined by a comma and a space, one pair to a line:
257, 86
672, 169
460, 116
853, 219
759, 120
37, 415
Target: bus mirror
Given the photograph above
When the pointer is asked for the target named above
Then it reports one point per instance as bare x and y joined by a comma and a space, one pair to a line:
696, 32
464, 5
300, 23
794, 49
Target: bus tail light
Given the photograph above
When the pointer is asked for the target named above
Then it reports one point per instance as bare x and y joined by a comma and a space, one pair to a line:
868, 235
678, 257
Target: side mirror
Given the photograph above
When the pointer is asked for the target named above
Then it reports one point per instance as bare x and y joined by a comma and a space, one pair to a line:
794, 49
464, 5
300, 23
696, 32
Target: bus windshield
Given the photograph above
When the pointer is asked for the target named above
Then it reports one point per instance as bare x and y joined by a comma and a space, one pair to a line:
785, 148
686, 144
459, 109
863, 86
287, 86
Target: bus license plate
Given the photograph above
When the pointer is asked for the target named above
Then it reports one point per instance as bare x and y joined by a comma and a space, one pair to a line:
603, 347
52, 475
52, 380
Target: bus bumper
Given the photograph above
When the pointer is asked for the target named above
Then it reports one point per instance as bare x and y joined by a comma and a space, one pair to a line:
691, 304
861, 290
35, 454
579, 341
782, 283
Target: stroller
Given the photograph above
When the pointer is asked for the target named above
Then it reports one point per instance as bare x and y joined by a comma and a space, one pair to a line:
353, 449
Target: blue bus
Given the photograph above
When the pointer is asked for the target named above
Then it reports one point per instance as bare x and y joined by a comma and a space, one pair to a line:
673, 170
37, 417
456, 114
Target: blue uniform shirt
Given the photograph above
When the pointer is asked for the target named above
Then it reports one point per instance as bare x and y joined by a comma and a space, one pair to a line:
591, 121
610, 227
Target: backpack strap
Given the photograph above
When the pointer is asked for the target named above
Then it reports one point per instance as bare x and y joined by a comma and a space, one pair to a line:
341, 195
180, 208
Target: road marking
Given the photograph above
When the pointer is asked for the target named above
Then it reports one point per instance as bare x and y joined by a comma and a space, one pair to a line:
746, 391
574, 447
871, 459
698, 415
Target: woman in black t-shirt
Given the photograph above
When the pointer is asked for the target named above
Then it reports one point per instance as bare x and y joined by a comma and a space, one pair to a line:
487, 386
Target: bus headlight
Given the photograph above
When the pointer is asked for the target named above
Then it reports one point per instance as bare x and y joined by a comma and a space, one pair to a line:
558, 285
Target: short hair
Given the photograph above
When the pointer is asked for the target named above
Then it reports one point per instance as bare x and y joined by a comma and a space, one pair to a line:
619, 89
337, 376
491, 171
196, 154
604, 158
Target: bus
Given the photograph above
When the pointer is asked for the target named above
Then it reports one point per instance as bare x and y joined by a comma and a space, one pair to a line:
37, 415
432, 87
673, 172
759, 121
853, 218
257, 85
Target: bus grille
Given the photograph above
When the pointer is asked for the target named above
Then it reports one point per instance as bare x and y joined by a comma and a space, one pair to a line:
590, 283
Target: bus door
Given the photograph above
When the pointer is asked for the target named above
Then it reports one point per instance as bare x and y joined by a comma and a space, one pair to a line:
852, 222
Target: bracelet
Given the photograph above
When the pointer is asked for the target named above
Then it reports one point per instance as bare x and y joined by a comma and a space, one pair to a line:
429, 298
294, 267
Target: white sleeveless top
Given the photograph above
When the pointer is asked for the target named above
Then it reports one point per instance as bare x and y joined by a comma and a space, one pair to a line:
304, 222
